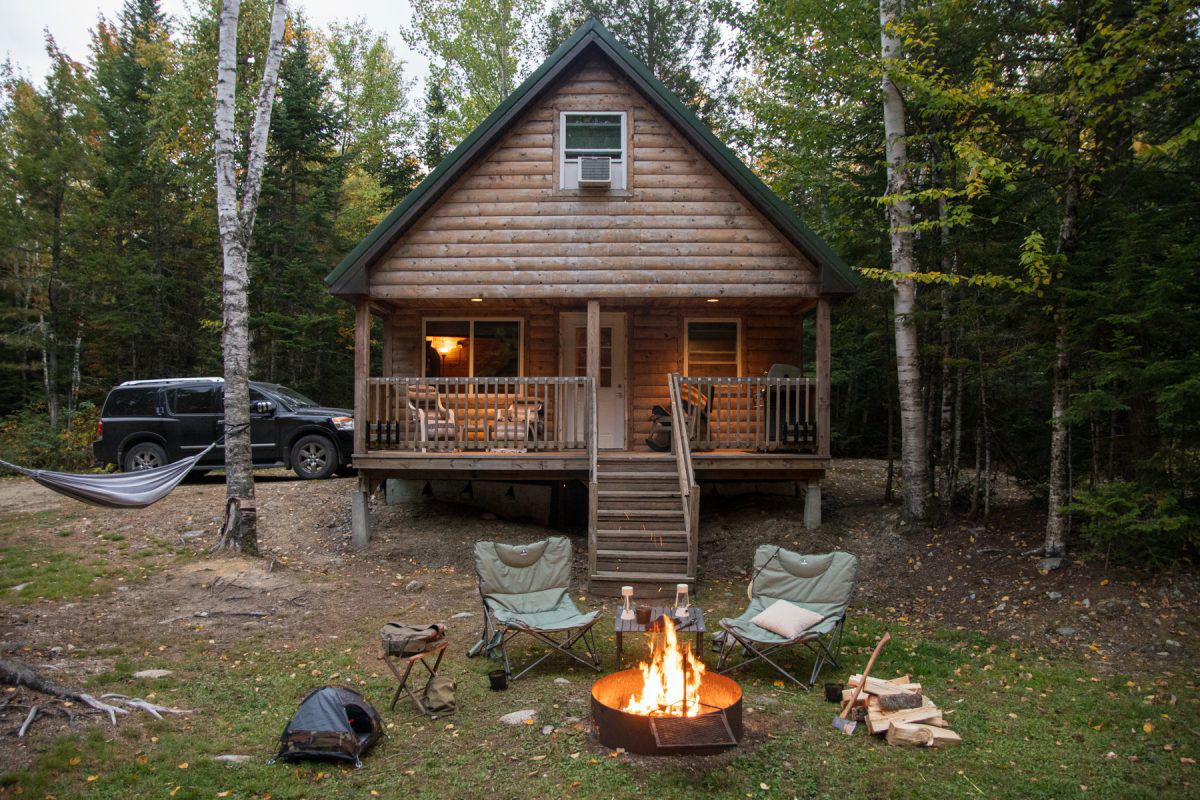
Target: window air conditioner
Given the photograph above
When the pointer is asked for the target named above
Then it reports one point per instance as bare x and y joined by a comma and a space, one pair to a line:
595, 171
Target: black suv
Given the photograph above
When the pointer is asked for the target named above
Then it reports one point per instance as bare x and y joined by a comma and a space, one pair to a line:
146, 424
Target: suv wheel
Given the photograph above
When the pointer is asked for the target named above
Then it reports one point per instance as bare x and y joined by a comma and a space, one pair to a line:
144, 455
314, 457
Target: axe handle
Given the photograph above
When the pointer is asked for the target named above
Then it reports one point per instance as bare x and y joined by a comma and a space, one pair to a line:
887, 637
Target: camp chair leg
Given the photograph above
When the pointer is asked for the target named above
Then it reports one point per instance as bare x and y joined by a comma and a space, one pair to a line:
557, 645
763, 655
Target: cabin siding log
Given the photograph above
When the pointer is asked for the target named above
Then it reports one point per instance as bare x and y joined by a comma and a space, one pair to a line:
680, 229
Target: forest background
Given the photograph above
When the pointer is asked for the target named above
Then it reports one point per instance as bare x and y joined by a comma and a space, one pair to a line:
1054, 151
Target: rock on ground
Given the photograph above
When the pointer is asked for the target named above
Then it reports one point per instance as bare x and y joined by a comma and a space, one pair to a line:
519, 717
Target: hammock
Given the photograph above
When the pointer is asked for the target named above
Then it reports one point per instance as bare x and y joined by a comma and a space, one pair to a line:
136, 489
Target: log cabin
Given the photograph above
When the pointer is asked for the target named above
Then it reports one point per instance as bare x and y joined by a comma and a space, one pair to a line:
592, 287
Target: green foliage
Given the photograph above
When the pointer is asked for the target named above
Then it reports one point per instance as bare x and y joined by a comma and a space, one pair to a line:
678, 40
1137, 526
481, 50
27, 439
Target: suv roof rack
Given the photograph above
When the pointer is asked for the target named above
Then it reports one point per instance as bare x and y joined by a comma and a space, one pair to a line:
153, 381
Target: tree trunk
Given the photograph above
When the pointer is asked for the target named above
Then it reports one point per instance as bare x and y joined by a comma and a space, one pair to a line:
1056, 524
236, 227
914, 467
1056, 528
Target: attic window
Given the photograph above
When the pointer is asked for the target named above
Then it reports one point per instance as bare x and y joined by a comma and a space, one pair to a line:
592, 135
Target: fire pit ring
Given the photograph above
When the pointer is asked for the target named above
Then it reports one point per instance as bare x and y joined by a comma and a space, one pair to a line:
710, 732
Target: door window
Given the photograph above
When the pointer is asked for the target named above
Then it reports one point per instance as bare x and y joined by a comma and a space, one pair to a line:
606, 354
196, 400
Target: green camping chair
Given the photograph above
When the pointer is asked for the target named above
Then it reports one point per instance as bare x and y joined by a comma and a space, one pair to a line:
820, 583
526, 590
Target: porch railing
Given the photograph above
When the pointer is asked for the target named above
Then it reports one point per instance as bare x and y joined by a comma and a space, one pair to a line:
689, 491
761, 414
477, 414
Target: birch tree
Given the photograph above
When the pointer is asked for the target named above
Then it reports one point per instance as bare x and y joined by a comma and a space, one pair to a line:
236, 206
913, 462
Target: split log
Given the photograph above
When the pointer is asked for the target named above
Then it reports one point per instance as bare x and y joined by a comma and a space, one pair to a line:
15, 674
879, 686
911, 735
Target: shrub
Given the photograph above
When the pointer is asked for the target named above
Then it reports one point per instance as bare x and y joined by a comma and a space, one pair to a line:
27, 439
1133, 524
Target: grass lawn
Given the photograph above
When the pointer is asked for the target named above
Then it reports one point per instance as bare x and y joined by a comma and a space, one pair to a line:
1033, 726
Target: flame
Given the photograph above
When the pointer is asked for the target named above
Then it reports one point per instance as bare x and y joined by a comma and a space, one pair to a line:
671, 681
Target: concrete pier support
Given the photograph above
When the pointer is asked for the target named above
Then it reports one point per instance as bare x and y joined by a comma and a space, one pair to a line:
812, 505
360, 518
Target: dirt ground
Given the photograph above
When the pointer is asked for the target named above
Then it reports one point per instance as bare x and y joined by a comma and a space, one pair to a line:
161, 592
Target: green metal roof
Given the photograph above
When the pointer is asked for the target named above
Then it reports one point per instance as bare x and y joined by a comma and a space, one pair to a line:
349, 277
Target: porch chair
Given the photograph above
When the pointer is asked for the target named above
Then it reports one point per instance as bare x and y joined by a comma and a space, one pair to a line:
520, 422
435, 422
526, 590
821, 584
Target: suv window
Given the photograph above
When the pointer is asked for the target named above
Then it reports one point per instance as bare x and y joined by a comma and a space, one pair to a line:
132, 402
196, 400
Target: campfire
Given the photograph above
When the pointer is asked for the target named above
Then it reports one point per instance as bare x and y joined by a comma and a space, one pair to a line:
669, 704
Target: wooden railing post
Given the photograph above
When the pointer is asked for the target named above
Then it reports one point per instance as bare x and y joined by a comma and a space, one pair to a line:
824, 365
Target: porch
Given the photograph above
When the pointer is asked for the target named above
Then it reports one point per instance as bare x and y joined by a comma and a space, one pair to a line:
581, 411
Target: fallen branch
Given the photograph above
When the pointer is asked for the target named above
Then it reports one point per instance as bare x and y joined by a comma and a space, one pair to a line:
28, 721
151, 708
16, 674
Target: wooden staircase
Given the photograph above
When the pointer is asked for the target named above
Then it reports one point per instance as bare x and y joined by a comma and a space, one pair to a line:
643, 521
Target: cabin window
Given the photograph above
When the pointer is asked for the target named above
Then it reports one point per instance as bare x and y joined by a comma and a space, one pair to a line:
713, 349
595, 134
472, 348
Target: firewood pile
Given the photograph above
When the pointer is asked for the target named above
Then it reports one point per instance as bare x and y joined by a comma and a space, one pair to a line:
920, 725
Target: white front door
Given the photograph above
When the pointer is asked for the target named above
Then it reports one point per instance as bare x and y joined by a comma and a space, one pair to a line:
610, 394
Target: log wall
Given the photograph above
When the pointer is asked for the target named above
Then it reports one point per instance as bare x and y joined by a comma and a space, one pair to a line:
656, 342
506, 229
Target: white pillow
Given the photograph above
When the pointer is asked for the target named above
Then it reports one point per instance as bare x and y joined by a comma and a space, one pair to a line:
786, 619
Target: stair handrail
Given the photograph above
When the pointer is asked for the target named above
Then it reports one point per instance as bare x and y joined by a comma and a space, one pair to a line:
688, 489
593, 437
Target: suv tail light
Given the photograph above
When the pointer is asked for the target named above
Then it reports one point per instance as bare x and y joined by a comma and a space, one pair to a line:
99, 429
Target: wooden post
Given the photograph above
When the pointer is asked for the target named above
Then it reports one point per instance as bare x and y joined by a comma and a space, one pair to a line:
593, 341
362, 369
824, 366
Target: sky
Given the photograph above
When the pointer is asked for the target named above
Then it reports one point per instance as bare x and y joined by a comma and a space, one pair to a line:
22, 24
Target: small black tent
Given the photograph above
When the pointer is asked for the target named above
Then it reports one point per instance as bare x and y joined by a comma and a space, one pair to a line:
332, 722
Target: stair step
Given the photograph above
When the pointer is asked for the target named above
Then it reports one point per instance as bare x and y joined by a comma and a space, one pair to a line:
640, 476
648, 493
640, 533
639, 466
665, 577
645, 555
632, 514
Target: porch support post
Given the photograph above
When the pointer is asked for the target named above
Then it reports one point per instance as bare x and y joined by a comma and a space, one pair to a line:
812, 505
593, 340
823, 369
362, 369
360, 519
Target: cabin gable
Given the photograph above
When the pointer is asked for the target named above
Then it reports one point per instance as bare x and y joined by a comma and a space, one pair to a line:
507, 228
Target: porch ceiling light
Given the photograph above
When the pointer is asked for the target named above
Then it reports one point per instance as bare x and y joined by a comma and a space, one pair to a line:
476, 299
714, 300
